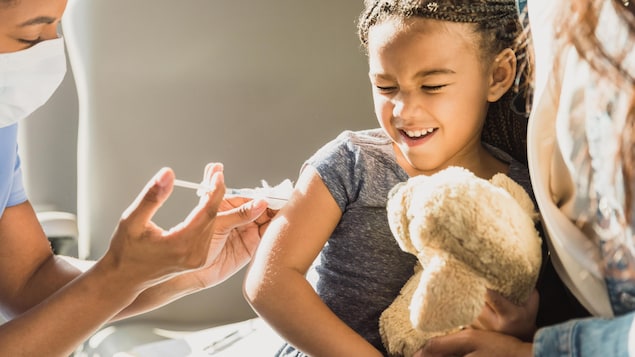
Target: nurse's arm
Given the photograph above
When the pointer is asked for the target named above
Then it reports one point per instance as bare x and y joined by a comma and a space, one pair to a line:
31, 274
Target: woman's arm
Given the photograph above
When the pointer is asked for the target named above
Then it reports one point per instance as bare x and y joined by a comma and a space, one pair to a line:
239, 225
276, 286
56, 307
52, 306
238, 228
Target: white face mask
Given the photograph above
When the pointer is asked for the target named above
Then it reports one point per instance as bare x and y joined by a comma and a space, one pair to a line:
28, 78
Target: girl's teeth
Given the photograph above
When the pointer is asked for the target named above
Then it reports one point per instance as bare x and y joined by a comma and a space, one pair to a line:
419, 133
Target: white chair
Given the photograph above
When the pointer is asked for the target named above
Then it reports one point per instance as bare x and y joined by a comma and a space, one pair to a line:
258, 86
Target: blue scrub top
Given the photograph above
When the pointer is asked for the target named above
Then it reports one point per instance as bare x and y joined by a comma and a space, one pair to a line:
11, 186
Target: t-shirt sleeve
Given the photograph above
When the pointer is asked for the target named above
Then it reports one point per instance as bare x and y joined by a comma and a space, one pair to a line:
335, 163
11, 187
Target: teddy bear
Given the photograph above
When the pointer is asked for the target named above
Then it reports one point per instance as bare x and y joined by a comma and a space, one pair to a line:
469, 234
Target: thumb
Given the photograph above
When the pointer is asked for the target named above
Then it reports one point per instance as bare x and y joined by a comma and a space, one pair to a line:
496, 302
241, 215
453, 344
148, 202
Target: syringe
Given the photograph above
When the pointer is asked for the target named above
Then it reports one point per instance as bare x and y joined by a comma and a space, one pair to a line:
192, 185
275, 202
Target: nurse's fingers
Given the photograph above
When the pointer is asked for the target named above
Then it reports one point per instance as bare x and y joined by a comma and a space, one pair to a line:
202, 217
151, 198
239, 216
210, 170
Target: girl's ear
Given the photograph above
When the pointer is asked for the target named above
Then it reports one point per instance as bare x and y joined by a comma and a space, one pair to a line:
503, 74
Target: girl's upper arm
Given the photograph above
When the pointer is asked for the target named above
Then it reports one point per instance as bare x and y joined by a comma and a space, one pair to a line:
298, 232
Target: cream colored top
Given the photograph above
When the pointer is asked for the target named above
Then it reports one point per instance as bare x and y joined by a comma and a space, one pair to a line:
573, 138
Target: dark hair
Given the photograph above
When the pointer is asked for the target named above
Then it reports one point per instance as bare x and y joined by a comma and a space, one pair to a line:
577, 26
498, 26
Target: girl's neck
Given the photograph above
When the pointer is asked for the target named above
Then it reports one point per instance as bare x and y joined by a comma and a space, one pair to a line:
480, 161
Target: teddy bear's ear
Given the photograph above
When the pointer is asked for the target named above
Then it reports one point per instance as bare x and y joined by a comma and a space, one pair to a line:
517, 192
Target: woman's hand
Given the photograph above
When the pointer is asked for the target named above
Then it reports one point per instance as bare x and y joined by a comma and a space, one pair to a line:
240, 224
475, 343
501, 315
217, 239
142, 254
497, 332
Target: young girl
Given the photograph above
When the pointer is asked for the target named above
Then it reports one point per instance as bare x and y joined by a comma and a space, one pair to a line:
440, 71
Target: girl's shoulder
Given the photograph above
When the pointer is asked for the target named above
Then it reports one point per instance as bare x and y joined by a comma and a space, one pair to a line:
356, 145
358, 164
364, 138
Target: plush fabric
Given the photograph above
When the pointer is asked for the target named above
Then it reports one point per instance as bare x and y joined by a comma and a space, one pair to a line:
469, 235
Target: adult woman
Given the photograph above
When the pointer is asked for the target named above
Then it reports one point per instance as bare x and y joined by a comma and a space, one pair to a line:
580, 148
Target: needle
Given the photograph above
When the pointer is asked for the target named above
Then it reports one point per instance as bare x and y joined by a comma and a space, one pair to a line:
247, 193
188, 184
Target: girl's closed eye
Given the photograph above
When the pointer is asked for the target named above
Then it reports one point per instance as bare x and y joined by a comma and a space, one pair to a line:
385, 89
435, 88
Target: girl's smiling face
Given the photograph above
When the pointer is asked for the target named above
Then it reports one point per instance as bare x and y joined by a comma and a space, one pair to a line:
24, 23
431, 89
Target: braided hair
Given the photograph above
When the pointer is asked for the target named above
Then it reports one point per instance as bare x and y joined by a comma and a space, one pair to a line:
499, 26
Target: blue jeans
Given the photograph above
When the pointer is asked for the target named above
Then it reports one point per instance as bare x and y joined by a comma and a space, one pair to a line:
521, 5
588, 337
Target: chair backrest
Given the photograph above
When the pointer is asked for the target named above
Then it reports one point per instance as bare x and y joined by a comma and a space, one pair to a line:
258, 85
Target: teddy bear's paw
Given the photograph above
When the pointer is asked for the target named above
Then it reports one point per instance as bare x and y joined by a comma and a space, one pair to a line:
408, 346
408, 342
405, 342
397, 333
448, 295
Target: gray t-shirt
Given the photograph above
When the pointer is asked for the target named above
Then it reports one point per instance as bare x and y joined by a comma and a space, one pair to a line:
361, 269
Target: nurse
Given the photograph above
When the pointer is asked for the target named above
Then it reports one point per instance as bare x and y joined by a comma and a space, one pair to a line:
52, 305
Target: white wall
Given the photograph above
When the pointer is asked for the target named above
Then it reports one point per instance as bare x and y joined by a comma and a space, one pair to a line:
48, 149
257, 85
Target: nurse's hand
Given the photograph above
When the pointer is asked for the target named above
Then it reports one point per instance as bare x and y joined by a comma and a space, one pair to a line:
217, 239
240, 224
475, 343
142, 254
